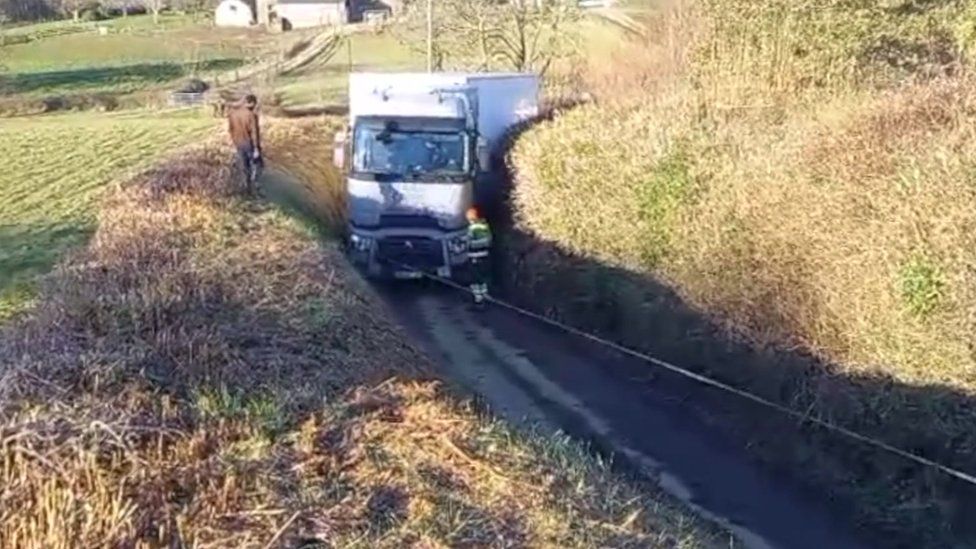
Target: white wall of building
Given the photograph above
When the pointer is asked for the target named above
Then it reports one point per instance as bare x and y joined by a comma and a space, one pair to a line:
312, 15
233, 13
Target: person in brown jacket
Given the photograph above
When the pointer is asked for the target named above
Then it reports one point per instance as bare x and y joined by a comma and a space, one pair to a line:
245, 133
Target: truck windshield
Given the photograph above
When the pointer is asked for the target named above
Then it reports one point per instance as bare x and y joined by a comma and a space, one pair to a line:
409, 154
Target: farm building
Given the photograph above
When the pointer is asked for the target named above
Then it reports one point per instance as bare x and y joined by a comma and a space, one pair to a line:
363, 7
298, 14
233, 13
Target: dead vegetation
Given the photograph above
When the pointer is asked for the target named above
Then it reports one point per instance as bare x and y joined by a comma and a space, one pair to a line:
307, 162
207, 374
805, 193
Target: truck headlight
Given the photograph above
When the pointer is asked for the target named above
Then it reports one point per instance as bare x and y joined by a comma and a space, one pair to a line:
360, 243
458, 245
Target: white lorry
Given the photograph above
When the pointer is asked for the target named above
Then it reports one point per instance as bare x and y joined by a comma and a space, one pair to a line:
417, 155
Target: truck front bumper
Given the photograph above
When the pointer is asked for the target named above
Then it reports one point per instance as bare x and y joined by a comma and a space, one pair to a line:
397, 254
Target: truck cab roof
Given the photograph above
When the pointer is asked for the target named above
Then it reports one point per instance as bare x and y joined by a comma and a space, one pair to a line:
495, 102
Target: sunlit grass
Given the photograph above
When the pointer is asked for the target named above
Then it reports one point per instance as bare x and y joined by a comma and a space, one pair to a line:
55, 169
327, 83
132, 45
133, 56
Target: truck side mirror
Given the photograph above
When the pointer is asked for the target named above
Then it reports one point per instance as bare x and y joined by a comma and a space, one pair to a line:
339, 150
484, 154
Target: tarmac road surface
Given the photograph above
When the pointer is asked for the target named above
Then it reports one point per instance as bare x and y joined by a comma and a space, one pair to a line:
529, 372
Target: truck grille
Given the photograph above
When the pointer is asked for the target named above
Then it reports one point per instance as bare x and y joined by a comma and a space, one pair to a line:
417, 252
411, 221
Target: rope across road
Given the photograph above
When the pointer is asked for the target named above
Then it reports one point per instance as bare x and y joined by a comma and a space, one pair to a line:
711, 382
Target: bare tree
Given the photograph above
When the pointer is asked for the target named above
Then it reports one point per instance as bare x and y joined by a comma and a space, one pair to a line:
154, 7
28, 10
534, 34
4, 19
493, 34
194, 7
73, 8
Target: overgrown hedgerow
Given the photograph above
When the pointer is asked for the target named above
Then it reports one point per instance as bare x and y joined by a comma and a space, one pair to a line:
790, 46
802, 173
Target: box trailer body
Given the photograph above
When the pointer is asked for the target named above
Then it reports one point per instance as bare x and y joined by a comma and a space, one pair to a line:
419, 149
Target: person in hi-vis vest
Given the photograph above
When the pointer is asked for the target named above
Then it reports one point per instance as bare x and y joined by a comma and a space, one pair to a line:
479, 243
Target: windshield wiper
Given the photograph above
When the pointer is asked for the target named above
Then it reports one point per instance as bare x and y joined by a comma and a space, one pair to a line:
382, 175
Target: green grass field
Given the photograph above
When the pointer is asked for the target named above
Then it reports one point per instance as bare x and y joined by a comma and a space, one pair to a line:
131, 41
326, 83
56, 168
133, 22
135, 55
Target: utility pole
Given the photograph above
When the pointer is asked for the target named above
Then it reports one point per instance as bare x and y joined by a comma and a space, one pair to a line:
430, 35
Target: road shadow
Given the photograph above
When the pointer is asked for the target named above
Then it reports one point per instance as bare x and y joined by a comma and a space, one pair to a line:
136, 75
892, 501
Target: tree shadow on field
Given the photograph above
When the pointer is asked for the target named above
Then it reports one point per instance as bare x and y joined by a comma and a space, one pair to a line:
141, 74
28, 250
892, 501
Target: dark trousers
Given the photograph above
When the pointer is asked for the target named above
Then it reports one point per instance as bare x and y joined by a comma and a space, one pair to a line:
480, 275
480, 270
250, 166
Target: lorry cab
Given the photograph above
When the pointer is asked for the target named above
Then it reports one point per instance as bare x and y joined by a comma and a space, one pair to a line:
416, 154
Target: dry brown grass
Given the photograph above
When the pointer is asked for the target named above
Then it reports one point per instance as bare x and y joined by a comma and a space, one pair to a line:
853, 236
207, 374
305, 155
830, 216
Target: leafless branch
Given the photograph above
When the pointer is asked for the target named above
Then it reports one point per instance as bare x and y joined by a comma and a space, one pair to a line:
493, 34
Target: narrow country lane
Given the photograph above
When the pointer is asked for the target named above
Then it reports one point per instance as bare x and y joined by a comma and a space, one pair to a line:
529, 372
